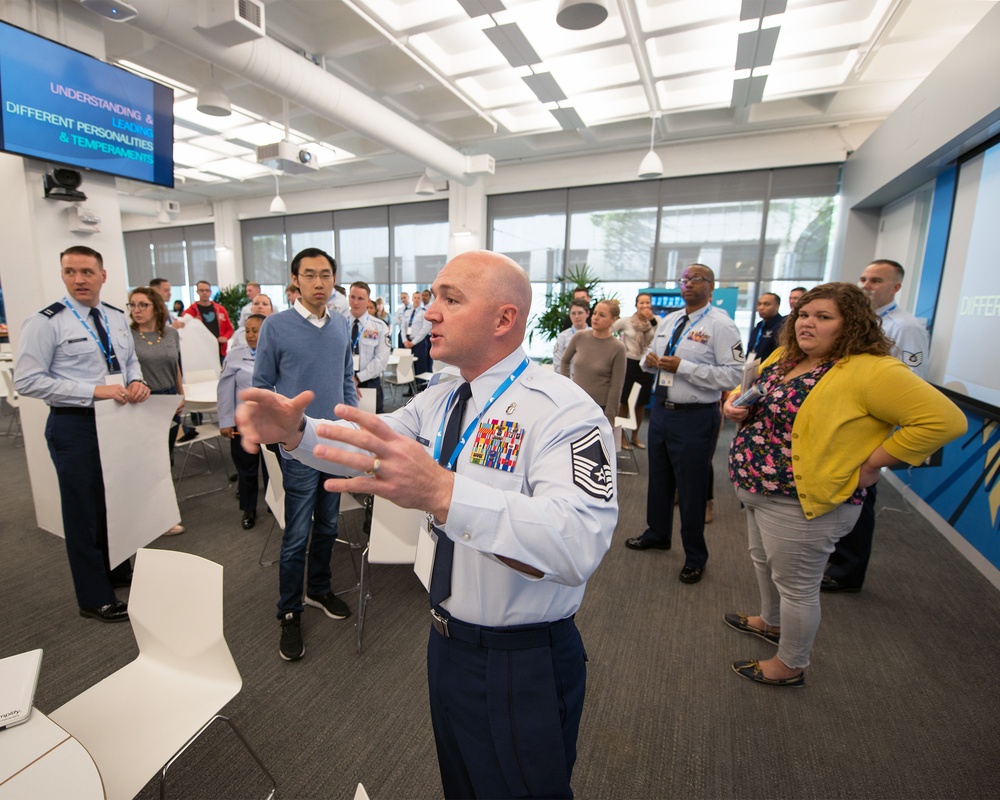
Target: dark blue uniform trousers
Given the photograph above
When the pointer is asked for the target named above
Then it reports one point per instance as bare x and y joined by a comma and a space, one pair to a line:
72, 438
681, 444
506, 721
849, 560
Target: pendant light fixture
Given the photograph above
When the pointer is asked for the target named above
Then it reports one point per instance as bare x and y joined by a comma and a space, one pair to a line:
651, 166
277, 204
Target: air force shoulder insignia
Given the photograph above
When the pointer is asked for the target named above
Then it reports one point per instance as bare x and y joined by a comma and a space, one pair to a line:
52, 310
913, 360
592, 467
738, 352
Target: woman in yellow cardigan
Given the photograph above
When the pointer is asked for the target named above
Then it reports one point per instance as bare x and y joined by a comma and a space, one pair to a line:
836, 408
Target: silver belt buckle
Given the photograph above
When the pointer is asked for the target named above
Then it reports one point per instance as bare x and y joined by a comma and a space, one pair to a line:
440, 624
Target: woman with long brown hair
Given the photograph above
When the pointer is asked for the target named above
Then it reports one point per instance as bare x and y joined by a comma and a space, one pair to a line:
158, 348
834, 408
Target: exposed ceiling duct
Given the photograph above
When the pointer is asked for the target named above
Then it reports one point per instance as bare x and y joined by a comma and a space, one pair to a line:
274, 67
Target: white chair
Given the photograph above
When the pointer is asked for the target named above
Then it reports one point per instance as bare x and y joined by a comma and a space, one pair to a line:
393, 540
138, 720
404, 373
209, 438
624, 425
14, 401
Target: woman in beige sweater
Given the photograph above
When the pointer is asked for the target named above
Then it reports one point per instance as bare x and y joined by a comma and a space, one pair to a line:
598, 359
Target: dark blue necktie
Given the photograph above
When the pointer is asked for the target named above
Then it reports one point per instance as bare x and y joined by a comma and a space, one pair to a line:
109, 352
354, 337
444, 553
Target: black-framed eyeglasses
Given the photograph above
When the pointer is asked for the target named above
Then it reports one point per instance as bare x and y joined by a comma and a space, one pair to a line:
693, 281
140, 306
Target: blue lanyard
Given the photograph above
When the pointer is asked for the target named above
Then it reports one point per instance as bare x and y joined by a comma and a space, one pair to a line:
888, 311
94, 336
672, 348
503, 387
756, 340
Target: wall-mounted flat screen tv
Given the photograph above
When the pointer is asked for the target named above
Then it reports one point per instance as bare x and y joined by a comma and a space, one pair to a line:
60, 105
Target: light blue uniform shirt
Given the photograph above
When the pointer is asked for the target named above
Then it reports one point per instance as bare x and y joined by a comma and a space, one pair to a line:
711, 354
374, 347
60, 362
552, 505
415, 326
237, 375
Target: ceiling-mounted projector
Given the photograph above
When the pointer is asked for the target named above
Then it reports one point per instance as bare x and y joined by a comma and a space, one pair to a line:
288, 157
115, 10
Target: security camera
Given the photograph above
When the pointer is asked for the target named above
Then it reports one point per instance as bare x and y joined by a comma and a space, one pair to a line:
63, 184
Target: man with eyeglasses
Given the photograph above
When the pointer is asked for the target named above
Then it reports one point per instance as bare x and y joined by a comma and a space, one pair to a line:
307, 347
696, 355
72, 354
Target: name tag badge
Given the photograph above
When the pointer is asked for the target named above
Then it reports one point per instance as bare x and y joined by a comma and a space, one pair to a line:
423, 563
409, 330
357, 363
666, 378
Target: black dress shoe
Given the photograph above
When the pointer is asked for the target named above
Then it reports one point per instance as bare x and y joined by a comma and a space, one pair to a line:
829, 584
188, 435
751, 669
249, 519
692, 574
112, 612
640, 543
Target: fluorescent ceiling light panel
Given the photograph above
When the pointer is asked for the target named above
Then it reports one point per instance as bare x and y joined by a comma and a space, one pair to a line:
756, 49
458, 49
236, 168
181, 133
709, 90
496, 89
513, 45
263, 133
221, 146
596, 69
693, 51
681, 13
402, 16
545, 87
614, 104
521, 119
197, 175
191, 156
810, 75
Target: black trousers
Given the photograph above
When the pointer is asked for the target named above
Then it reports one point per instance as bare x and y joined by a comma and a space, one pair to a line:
247, 467
849, 561
72, 438
506, 721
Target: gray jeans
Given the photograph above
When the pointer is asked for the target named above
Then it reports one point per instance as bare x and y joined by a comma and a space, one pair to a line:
789, 553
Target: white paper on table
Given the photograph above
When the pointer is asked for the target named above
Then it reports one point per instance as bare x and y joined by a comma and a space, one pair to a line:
138, 486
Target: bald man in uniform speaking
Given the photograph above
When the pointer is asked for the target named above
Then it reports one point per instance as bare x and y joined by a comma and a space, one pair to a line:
519, 488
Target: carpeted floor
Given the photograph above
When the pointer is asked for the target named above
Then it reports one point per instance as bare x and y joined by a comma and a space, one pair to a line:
901, 699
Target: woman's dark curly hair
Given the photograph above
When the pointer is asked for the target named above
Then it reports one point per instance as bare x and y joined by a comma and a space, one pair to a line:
159, 307
862, 329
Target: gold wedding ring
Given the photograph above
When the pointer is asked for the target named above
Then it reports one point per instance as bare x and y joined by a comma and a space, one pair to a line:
375, 467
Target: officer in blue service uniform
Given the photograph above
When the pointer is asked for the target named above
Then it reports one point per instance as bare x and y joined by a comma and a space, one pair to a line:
520, 513
71, 354
370, 343
696, 355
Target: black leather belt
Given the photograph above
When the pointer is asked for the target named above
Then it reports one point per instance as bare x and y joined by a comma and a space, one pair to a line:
66, 410
686, 406
515, 637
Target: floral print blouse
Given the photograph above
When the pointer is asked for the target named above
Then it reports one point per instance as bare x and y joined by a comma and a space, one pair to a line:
760, 457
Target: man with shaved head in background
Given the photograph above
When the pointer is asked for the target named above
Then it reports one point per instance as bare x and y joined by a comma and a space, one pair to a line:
515, 470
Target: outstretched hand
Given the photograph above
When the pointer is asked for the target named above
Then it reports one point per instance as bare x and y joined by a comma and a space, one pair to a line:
266, 417
406, 474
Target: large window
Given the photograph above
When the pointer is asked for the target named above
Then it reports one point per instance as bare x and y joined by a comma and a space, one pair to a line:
183, 256
760, 231
387, 247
